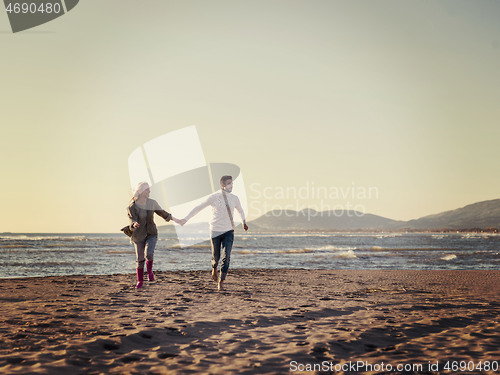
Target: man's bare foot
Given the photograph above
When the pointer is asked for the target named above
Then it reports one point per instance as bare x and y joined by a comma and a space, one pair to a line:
219, 285
215, 277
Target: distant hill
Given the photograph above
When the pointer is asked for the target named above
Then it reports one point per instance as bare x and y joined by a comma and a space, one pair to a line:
325, 220
484, 214
474, 216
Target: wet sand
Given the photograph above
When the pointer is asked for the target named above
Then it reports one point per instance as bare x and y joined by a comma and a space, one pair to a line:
266, 321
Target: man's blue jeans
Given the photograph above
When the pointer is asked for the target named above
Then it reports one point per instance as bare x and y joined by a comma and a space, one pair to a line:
224, 241
147, 246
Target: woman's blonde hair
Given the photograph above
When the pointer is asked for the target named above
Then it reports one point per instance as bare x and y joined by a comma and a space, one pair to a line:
141, 187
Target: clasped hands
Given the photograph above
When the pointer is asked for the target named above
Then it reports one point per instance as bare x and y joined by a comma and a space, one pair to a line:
181, 222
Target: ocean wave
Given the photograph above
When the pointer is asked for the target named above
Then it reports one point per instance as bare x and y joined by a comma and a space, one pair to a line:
295, 234
47, 264
294, 251
64, 246
449, 257
383, 254
16, 246
345, 254
198, 246
23, 237
470, 235
119, 252
304, 250
332, 248
248, 252
381, 248
390, 235
32, 251
479, 235
371, 235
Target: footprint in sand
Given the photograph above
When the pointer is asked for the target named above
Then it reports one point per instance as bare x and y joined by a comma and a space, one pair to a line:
180, 308
73, 316
172, 331
15, 360
78, 362
35, 313
109, 344
131, 358
15, 321
165, 355
19, 336
99, 333
127, 326
319, 351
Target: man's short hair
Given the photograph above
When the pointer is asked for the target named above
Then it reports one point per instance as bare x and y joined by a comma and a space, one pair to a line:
223, 179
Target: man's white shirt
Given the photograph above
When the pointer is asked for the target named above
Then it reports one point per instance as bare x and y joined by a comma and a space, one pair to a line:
220, 222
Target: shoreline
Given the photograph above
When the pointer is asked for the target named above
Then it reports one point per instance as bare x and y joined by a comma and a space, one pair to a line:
132, 274
262, 321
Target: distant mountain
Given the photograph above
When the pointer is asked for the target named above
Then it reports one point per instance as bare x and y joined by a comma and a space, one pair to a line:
474, 216
325, 220
484, 214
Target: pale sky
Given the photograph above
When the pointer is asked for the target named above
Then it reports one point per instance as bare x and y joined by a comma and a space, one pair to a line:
400, 96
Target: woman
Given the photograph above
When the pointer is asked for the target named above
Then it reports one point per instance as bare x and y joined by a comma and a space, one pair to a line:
144, 233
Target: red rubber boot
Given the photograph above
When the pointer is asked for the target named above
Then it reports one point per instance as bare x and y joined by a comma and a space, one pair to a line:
140, 277
149, 267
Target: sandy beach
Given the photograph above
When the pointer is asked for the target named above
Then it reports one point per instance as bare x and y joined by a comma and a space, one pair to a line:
266, 321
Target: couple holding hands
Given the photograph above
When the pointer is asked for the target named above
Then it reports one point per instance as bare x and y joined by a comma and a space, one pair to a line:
144, 235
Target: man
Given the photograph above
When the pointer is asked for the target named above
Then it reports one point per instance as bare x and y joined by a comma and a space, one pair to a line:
221, 226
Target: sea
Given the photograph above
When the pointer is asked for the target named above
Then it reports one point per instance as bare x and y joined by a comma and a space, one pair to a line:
51, 254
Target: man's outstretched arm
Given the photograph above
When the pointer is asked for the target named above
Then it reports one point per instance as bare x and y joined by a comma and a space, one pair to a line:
195, 210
